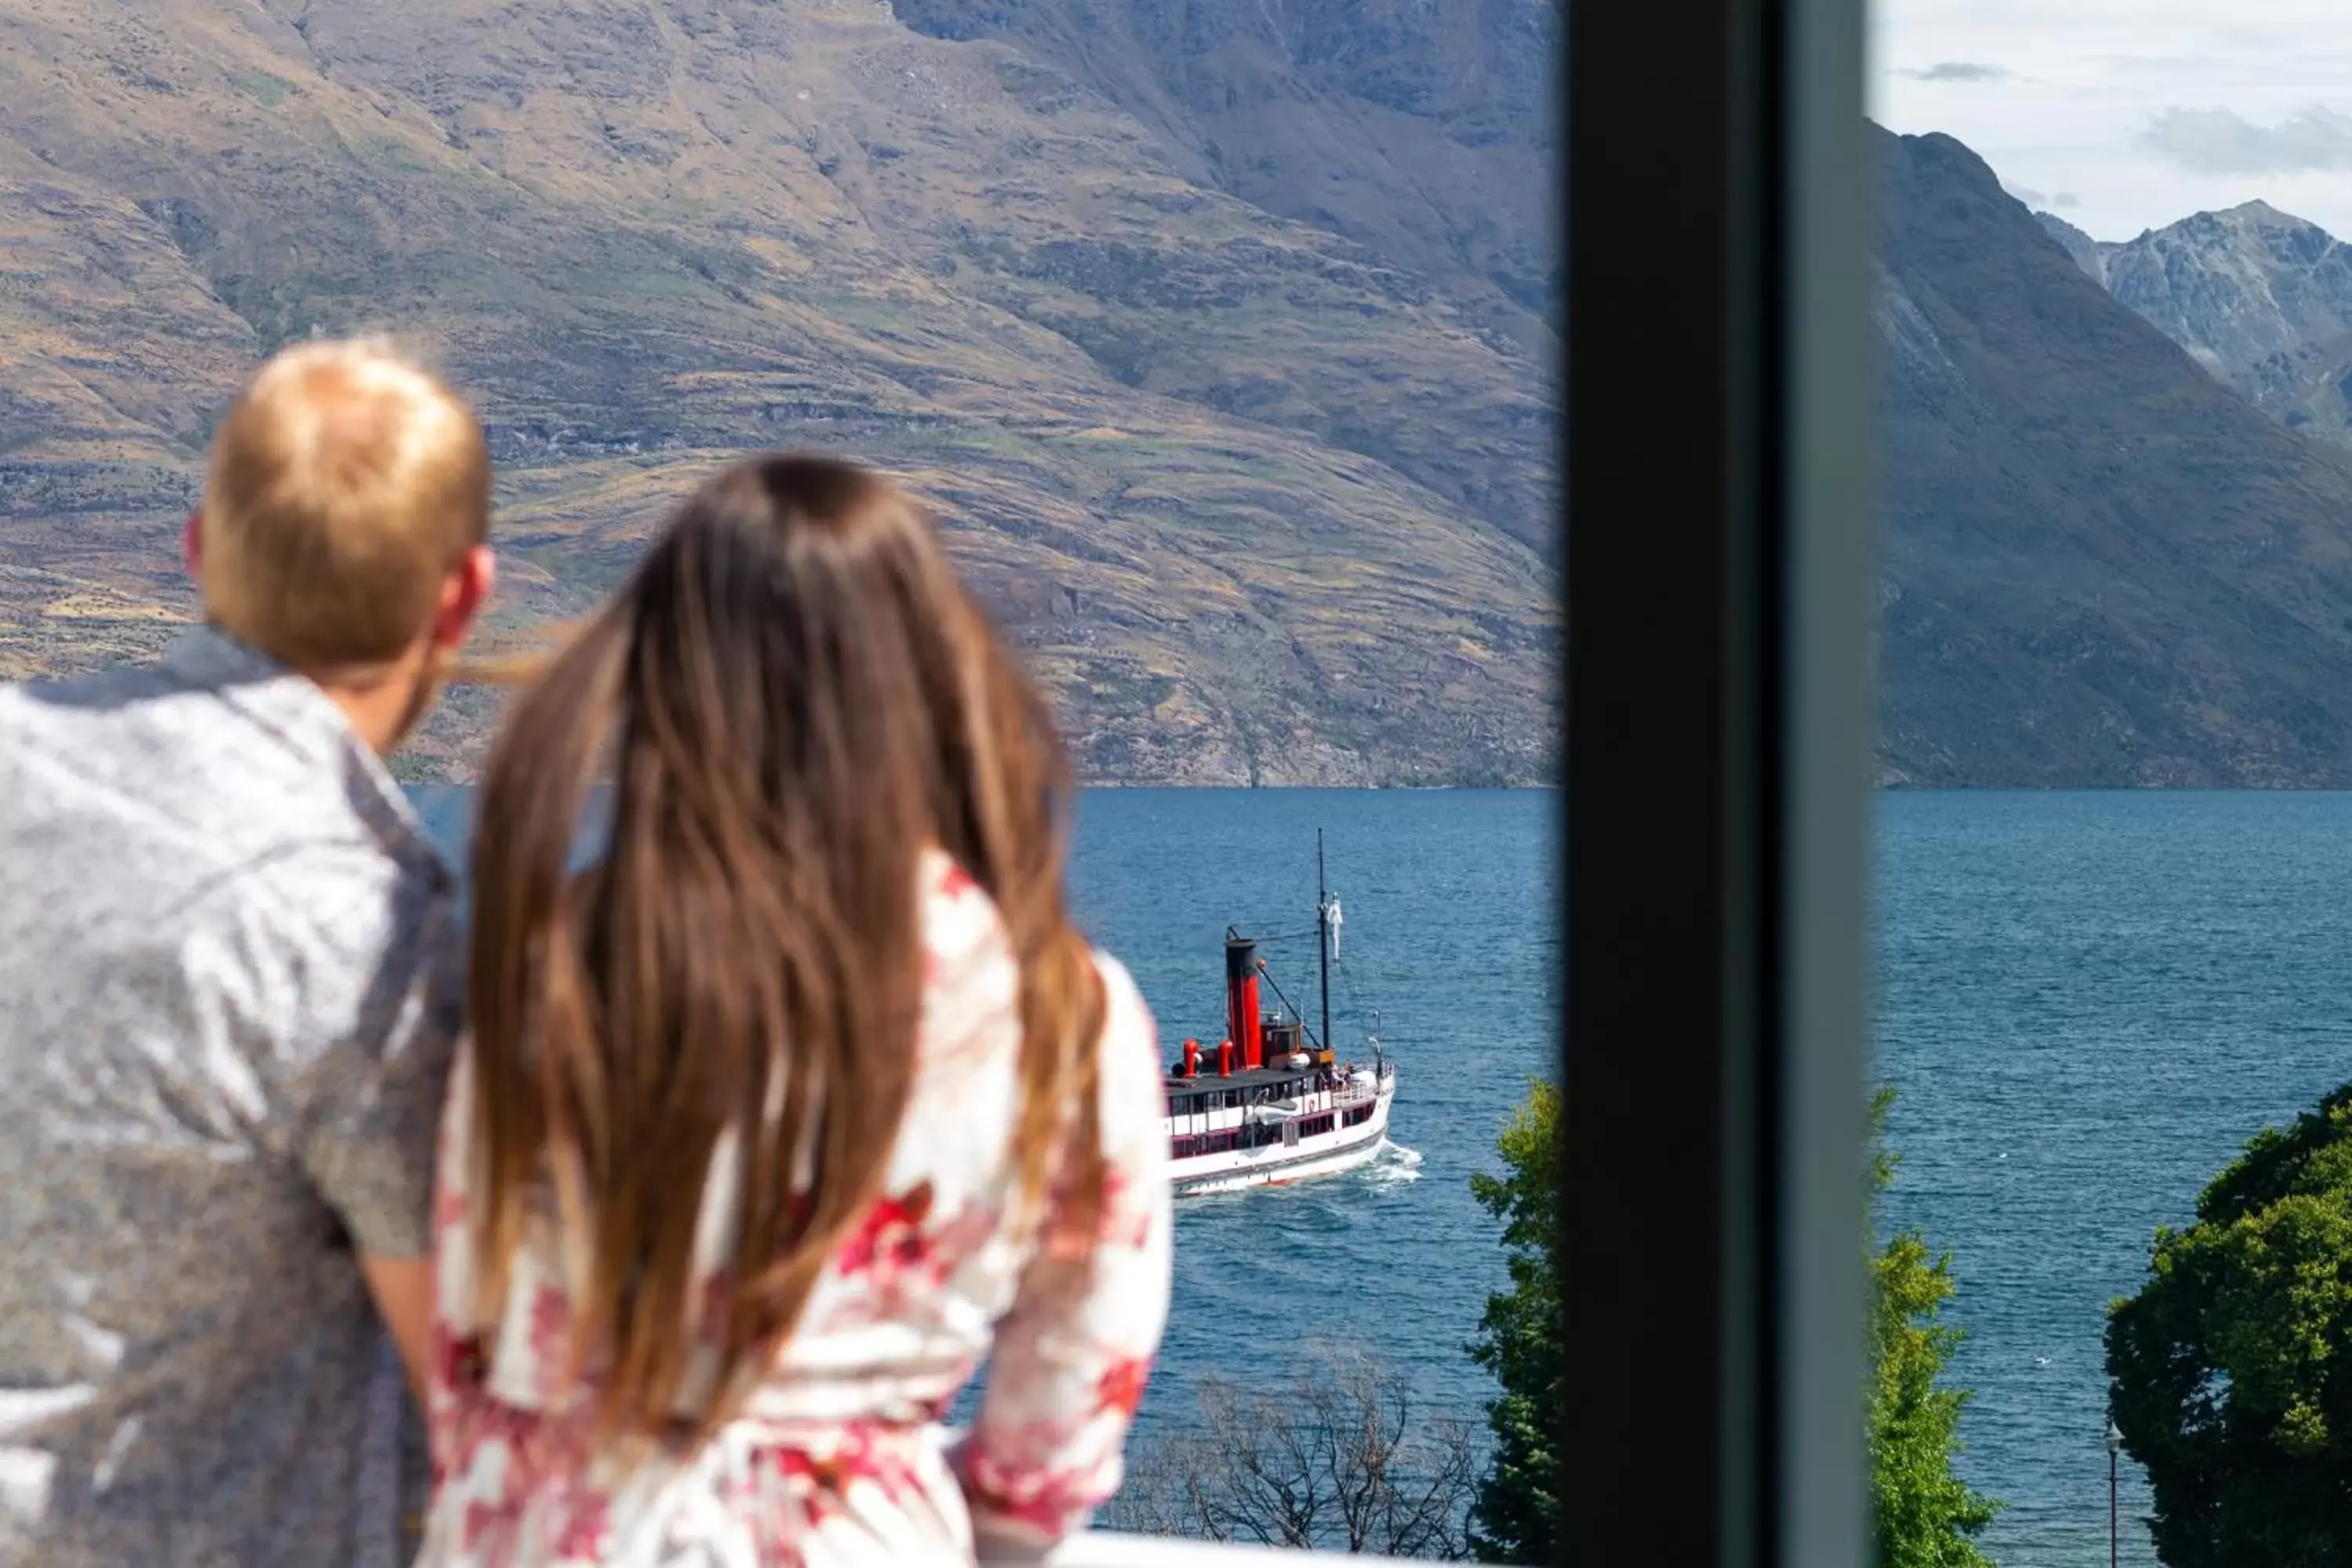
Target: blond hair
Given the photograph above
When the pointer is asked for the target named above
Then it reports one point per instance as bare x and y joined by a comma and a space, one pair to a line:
345, 485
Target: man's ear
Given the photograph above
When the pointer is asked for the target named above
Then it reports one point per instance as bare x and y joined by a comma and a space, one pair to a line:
192, 544
463, 592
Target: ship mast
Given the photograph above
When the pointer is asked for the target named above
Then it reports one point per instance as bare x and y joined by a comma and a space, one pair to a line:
1323, 939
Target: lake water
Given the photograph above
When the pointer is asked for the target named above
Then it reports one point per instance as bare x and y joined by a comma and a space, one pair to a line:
2087, 1002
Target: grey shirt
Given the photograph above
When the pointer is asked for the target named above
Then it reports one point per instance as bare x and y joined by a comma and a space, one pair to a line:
228, 998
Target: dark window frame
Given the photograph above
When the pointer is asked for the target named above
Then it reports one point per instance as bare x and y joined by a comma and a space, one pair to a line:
1717, 783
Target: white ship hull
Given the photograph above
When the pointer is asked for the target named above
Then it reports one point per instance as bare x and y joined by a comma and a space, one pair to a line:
1227, 1150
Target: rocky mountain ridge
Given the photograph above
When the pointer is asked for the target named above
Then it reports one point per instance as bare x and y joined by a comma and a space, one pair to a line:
2262, 299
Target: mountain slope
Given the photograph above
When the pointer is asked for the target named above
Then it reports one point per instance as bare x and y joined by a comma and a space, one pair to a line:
2307, 387
2090, 255
2099, 567
1260, 503
1425, 132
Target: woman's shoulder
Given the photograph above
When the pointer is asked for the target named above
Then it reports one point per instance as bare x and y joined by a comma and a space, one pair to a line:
1130, 1065
948, 887
964, 939
967, 945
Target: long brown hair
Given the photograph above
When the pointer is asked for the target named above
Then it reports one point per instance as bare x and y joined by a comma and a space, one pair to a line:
793, 696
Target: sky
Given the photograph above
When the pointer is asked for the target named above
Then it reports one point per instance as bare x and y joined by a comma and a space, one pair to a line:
2126, 115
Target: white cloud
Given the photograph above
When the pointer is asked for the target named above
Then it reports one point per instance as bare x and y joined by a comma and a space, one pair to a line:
2141, 110
2218, 141
1957, 70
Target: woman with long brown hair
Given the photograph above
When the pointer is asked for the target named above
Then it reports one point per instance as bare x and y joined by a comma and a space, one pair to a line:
804, 1096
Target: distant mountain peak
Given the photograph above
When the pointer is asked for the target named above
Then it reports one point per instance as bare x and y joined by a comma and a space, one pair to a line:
2260, 212
2243, 289
2247, 218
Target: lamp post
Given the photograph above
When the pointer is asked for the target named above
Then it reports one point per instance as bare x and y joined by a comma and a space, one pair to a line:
2115, 1535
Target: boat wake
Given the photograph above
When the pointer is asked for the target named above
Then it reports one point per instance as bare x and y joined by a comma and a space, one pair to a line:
1394, 1166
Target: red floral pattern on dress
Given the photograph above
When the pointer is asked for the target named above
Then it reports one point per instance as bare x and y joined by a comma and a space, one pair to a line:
585, 1529
1120, 1387
889, 1240
943, 1270
860, 1454
901, 1252
1039, 1499
492, 1526
459, 1361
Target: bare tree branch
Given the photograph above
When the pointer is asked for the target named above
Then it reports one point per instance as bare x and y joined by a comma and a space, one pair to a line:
1329, 1454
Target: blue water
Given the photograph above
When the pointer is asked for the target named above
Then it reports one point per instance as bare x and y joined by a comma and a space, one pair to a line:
2087, 1002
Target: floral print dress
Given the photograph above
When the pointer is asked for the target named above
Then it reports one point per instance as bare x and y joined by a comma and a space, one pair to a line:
840, 1456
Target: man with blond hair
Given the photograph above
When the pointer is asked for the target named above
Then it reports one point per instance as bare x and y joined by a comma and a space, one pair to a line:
227, 1004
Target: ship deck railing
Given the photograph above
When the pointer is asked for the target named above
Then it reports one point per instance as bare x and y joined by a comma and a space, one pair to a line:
1345, 1097
1310, 1103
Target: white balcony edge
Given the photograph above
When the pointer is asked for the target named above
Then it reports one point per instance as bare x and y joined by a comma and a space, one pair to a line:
1118, 1549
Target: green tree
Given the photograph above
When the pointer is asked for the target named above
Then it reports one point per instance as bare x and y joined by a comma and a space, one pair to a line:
1516, 1515
1922, 1515
2230, 1371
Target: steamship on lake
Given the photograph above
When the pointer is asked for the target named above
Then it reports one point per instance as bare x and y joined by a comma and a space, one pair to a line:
1273, 1102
